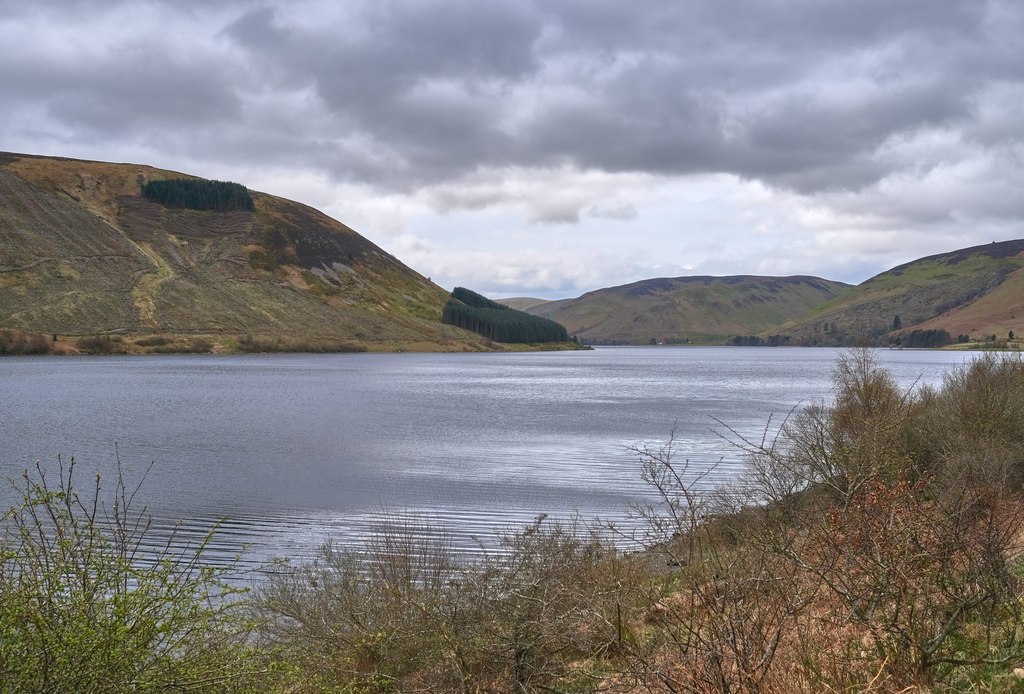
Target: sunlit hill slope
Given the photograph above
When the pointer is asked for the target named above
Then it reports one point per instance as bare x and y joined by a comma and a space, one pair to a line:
973, 292
82, 252
686, 309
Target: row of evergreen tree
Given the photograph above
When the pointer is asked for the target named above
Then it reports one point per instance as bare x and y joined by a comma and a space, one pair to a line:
756, 341
200, 194
925, 338
471, 311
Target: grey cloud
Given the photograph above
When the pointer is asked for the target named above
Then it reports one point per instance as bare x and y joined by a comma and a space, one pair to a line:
391, 48
620, 213
808, 143
132, 100
804, 95
417, 77
674, 88
119, 85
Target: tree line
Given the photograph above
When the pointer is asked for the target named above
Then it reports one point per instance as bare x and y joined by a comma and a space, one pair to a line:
757, 341
924, 338
471, 311
200, 194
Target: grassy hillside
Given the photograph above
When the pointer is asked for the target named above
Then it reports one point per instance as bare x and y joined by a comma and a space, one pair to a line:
972, 291
83, 253
687, 309
523, 303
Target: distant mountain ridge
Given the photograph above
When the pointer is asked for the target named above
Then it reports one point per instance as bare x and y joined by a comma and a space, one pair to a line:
522, 303
974, 293
83, 252
703, 309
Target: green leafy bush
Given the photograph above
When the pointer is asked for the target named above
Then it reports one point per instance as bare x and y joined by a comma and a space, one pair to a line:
88, 604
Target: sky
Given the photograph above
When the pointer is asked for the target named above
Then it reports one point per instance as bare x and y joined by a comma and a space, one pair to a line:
551, 147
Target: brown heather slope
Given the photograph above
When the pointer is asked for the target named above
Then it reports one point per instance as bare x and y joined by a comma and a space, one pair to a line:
972, 291
82, 252
704, 310
999, 312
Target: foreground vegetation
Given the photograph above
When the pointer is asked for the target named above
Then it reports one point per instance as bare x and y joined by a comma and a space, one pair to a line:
872, 544
89, 604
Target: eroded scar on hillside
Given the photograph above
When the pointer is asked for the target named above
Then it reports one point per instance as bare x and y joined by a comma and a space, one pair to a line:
145, 291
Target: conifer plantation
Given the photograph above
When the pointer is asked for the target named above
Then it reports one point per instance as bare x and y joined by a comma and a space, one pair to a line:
199, 194
471, 311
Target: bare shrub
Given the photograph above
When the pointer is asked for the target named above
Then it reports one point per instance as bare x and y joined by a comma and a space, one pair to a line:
391, 612
915, 550
98, 344
153, 341
251, 344
548, 608
200, 346
871, 546
561, 600
979, 410
721, 619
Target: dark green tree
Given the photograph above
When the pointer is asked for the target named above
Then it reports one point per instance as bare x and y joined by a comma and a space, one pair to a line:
471, 311
199, 194
927, 338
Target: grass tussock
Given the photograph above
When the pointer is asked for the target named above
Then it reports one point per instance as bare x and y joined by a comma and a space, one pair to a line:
251, 344
162, 344
100, 344
21, 342
872, 544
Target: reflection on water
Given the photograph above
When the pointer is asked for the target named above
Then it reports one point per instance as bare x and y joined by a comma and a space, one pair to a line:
285, 451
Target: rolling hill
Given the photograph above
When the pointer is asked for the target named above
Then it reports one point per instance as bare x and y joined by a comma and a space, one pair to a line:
973, 291
704, 310
975, 294
523, 303
82, 252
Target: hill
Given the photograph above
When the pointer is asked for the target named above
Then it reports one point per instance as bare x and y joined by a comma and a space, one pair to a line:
523, 303
706, 310
973, 292
84, 253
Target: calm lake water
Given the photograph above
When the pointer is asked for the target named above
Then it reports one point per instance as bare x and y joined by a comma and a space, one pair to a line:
293, 449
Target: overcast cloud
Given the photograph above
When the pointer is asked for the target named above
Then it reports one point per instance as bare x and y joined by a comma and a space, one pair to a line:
550, 147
